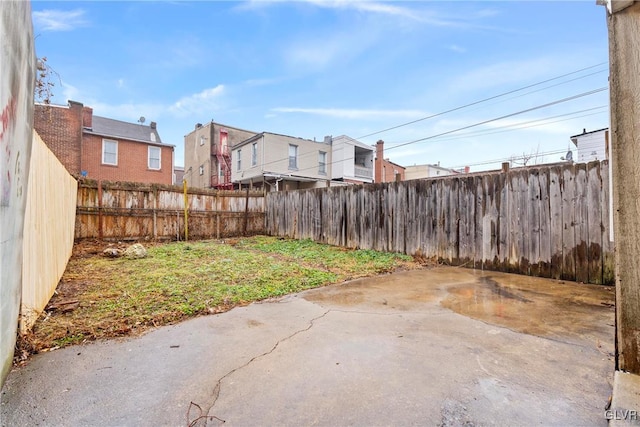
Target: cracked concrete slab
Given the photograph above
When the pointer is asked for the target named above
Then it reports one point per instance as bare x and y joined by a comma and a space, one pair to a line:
447, 346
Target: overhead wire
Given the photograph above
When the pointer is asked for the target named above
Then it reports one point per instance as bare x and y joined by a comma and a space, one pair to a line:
527, 110
484, 100
476, 103
518, 126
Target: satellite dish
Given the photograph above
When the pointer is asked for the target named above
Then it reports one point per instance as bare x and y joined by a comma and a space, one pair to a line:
569, 156
141, 119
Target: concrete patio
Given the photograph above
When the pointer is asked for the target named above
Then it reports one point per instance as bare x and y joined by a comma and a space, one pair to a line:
444, 346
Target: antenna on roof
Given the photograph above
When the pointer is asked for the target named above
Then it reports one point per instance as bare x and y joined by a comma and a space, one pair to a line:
141, 120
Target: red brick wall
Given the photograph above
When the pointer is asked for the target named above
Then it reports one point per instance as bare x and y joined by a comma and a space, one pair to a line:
385, 170
388, 171
132, 162
61, 129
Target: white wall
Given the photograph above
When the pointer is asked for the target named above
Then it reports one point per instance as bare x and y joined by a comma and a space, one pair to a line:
17, 77
592, 147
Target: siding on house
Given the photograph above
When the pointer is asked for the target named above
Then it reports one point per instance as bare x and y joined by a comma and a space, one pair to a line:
353, 161
427, 171
591, 145
273, 161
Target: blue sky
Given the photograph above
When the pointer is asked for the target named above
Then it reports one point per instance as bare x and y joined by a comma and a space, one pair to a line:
316, 68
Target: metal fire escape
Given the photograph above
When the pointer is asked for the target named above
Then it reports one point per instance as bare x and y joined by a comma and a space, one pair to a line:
221, 176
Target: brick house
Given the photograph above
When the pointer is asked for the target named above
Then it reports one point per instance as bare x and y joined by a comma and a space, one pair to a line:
104, 149
386, 170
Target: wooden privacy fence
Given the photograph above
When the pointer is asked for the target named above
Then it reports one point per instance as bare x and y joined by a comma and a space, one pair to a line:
549, 221
48, 230
128, 211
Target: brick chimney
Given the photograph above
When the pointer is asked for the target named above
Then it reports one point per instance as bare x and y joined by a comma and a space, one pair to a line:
153, 125
87, 117
467, 169
379, 160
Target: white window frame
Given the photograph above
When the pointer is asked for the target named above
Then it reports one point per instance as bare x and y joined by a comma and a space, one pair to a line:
239, 161
293, 160
202, 138
322, 162
149, 149
104, 144
254, 154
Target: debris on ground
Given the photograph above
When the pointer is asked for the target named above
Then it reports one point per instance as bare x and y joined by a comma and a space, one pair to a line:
135, 251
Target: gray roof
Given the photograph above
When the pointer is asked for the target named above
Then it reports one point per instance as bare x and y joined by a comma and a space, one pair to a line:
118, 129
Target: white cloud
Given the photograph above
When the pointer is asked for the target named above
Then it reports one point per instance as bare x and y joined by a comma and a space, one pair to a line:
262, 82
209, 100
69, 92
457, 49
504, 73
320, 52
419, 15
206, 101
59, 20
354, 113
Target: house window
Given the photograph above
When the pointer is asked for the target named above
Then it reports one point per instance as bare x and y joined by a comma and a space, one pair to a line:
239, 160
109, 152
202, 170
154, 157
202, 138
220, 170
322, 162
254, 154
293, 156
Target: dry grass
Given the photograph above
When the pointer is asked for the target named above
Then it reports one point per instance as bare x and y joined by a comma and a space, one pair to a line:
101, 297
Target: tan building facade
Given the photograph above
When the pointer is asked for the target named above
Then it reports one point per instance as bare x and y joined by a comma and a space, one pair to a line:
281, 162
207, 154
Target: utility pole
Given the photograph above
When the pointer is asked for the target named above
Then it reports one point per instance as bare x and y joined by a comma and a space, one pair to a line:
623, 21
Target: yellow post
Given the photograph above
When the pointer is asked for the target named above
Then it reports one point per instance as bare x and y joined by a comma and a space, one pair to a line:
186, 210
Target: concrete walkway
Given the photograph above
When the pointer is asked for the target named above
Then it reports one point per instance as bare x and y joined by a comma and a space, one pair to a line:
447, 346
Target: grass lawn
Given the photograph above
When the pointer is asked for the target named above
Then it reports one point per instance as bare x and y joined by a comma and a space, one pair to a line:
101, 297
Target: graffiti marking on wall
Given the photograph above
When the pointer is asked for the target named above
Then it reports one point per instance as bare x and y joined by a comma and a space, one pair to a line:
7, 118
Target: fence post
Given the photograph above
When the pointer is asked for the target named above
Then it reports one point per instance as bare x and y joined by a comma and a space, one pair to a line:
155, 213
186, 209
246, 213
100, 234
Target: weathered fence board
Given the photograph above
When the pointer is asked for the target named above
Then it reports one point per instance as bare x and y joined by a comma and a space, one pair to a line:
549, 221
121, 211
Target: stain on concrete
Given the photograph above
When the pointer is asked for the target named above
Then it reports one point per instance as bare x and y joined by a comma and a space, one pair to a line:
542, 307
252, 323
404, 291
548, 308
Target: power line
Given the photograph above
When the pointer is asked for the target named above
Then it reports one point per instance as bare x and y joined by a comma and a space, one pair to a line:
458, 129
570, 98
507, 130
482, 100
504, 159
518, 126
